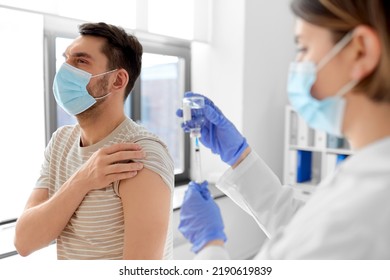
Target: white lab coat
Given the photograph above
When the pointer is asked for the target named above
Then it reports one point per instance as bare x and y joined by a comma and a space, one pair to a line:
348, 216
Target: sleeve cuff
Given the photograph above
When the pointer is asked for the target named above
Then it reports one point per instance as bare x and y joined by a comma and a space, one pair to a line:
232, 175
213, 253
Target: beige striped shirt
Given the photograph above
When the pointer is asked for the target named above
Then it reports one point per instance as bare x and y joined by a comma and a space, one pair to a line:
96, 229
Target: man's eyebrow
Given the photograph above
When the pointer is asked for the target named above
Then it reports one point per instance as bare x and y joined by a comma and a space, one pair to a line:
78, 54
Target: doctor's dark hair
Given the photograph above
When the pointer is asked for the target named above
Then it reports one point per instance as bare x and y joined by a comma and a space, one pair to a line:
342, 16
122, 50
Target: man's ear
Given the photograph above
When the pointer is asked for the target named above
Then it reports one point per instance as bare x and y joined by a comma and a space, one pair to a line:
121, 80
367, 55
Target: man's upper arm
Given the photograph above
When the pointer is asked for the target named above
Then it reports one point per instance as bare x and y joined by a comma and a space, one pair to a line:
146, 201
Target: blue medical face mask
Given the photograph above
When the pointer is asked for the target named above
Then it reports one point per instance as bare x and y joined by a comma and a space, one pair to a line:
70, 89
327, 114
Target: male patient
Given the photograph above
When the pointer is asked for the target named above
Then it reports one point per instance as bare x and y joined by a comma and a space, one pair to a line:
105, 187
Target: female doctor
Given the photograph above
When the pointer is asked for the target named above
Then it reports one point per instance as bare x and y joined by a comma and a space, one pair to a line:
339, 83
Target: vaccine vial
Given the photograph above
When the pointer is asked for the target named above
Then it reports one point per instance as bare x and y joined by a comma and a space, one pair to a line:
192, 111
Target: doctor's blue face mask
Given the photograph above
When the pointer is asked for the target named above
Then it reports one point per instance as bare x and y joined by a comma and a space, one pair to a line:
70, 89
327, 114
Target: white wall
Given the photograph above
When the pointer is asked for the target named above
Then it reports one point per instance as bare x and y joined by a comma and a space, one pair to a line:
243, 69
269, 48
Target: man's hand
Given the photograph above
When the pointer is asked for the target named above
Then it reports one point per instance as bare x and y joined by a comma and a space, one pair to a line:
110, 164
44, 218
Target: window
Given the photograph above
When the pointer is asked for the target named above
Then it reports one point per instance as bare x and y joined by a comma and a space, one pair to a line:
22, 108
162, 87
22, 115
158, 93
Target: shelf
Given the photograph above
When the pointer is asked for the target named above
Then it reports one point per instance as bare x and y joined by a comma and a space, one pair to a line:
309, 186
320, 150
308, 148
303, 191
326, 151
339, 151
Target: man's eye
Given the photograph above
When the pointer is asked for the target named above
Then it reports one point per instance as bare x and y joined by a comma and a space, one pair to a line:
79, 60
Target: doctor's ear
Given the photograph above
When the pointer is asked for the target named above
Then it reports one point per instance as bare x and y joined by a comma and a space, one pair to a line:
367, 52
121, 80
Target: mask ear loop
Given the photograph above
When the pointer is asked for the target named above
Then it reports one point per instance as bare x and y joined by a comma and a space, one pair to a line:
347, 88
332, 53
101, 74
335, 50
101, 97
105, 73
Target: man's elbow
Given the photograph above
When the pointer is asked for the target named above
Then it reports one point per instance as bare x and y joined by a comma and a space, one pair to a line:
21, 247
23, 241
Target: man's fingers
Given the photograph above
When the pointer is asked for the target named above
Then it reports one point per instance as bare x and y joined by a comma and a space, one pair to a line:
125, 157
121, 147
122, 153
121, 176
124, 168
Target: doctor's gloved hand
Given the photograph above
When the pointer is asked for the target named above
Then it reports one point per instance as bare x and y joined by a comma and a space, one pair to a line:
200, 217
217, 132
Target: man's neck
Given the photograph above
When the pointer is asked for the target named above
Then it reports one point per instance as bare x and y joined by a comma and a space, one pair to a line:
95, 128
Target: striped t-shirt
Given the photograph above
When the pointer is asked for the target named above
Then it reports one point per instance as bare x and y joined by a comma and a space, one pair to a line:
96, 229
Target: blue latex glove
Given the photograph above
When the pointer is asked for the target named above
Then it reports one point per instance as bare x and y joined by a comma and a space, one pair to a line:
217, 132
200, 217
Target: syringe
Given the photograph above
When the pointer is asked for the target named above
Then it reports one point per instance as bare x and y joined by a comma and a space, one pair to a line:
194, 105
198, 166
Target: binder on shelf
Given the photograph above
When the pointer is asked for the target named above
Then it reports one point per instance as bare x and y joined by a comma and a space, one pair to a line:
293, 128
330, 163
303, 133
340, 158
320, 139
292, 168
347, 145
311, 137
335, 142
304, 160
316, 167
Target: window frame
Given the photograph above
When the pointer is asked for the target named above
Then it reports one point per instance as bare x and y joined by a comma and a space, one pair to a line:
57, 26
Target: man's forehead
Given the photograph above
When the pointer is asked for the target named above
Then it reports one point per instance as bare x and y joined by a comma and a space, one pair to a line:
87, 45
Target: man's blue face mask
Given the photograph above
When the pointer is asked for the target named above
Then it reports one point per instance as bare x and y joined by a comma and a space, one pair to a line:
327, 114
70, 89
